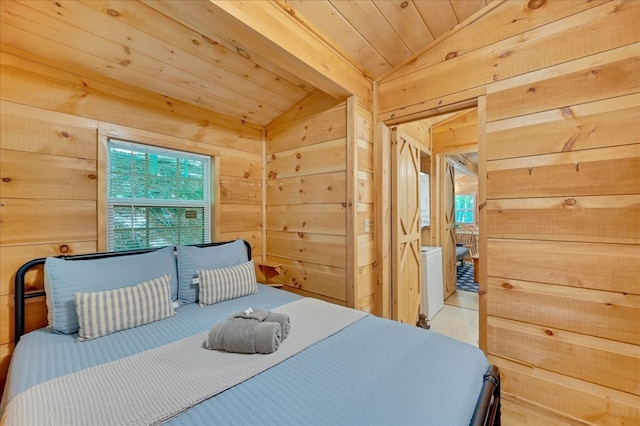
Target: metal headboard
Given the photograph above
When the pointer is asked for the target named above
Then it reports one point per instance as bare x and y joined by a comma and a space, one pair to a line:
21, 296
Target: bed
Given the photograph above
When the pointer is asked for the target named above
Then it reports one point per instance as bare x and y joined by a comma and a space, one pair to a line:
338, 365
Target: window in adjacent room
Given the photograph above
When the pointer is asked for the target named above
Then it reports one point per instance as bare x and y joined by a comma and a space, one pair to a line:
156, 197
465, 209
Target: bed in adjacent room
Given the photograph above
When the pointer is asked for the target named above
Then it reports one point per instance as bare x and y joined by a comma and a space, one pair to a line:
335, 365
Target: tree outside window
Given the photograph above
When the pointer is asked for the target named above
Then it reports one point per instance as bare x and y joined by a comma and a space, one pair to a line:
156, 197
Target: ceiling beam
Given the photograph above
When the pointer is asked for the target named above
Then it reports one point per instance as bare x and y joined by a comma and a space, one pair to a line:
273, 31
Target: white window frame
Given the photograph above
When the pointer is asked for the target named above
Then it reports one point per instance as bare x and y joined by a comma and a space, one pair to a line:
206, 203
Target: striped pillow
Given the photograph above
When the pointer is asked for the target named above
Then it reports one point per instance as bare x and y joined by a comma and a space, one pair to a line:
105, 312
221, 284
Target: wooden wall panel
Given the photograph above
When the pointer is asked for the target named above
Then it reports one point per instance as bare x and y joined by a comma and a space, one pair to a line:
321, 249
609, 171
315, 295
27, 129
66, 178
35, 317
586, 402
601, 28
365, 277
240, 190
504, 21
572, 354
87, 96
609, 74
365, 156
603, 219
328, 219
307, 213
420, 130
609, 122
320, 127
363, 126
365, 213
313, 278
245, 166
28, 221
365, 249
325, 188
49, 124
239, 218
582, 265
366, 290
609, 315
366, 188
456, 133
325, 157
562, 219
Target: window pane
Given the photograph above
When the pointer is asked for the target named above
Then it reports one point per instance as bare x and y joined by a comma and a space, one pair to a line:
129, 240
465, 208
157, 226
156, 197
141, 175
126, 217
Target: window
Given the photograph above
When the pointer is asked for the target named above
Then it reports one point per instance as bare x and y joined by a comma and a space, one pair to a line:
465, 208
156, 197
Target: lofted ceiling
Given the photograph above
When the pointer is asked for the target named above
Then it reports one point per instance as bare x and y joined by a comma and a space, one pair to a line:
207, 53
380, 34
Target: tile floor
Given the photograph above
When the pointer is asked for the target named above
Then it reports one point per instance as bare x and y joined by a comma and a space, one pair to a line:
457, 322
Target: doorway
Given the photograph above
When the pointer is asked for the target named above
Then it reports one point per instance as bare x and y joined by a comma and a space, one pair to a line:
455, 148
467, 231
458, 130
454, 140
452, 135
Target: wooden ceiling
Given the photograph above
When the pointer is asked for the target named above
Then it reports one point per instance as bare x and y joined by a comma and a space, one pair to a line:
380, 34
200, 53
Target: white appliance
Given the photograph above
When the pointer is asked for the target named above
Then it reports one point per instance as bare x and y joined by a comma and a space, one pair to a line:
425, 214
432, 287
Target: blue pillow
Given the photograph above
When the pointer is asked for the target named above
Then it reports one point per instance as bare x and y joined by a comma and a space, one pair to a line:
63, 278
191, 259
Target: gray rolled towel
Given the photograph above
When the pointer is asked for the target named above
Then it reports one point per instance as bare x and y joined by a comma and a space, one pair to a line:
246, 336
281, 319
266, 316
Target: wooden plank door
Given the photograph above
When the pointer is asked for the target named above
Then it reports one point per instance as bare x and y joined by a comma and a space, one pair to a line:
448, 221
405, 235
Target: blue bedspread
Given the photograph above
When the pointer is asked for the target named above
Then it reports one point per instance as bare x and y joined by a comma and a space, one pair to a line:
375, 371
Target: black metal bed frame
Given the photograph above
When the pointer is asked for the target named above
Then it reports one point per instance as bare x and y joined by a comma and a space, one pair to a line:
487, 410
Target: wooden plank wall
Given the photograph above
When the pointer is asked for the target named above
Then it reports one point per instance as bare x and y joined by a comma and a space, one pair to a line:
49, 177
306, 193
364, 221
319, 194
562, 186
